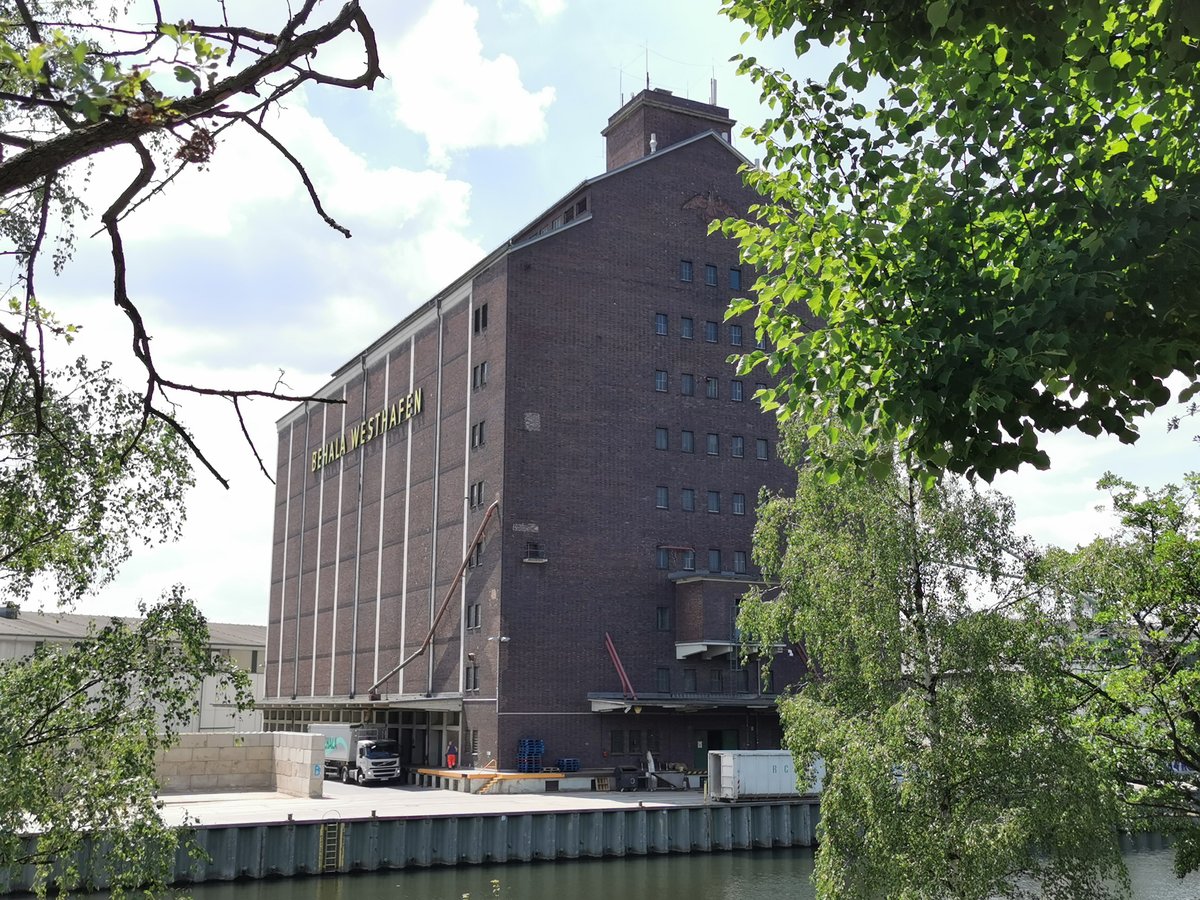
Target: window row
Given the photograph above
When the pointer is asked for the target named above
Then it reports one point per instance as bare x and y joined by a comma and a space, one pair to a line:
687, 272
712, 443
719, 681
712, 330
685, 560
712, 385
687, 500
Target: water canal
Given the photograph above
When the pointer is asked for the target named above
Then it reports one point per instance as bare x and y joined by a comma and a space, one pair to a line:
757, 875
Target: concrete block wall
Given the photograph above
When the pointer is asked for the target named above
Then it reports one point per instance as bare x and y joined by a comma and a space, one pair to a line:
256, 761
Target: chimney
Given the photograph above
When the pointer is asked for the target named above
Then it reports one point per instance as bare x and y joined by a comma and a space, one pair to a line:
656, 119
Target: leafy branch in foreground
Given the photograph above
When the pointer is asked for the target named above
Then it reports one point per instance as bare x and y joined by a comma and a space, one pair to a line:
1003, 244
78, 739
75, 84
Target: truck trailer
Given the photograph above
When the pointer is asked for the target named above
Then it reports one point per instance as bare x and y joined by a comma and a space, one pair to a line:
360, 753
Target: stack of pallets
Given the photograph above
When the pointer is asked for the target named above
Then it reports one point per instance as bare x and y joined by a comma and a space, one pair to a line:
529, 755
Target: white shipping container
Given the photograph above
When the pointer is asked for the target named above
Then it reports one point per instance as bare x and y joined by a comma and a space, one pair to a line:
756, 774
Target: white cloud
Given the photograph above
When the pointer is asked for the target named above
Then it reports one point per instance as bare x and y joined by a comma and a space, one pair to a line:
446, 89
545, 9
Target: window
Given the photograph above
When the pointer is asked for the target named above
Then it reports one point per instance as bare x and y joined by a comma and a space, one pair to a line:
710, 275
760, 343
737, 446
714, 560
687, 499
662, 680
760, 386
662, 618
660, 323
635, 741
712, 388
760, 448
479, 375
663, 558
471, 678
685, 270
710, 332
739, 562
473, 615
477, 434
686, 328
481, 318
735, 279
534, 552
660, 380
616, 743
661, 441
714, 445
689, 680
735, 335
739, 504
689, 560
475, 557
475, 495
735, 391
714, 501
687, 384
687, 442
661, 495
716, 681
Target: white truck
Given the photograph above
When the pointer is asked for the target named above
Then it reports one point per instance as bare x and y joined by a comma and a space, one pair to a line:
360, 753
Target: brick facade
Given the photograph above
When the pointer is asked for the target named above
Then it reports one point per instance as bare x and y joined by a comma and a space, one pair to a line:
562, 429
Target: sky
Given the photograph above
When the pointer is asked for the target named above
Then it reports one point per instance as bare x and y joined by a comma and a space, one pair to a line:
491, 111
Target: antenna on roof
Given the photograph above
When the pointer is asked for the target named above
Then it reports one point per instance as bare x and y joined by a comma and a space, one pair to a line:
646, 47
712, 91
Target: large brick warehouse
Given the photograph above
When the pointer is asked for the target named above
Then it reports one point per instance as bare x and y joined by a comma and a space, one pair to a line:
571, 394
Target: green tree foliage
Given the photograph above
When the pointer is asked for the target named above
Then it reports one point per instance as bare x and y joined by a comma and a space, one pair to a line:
981, 226
1135, 599
953, 768
78, 79
80, 730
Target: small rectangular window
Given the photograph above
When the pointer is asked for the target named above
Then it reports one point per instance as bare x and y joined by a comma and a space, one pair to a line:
739, 562
660, 380
711, 331
760, 448
616, 742
716, 681
661, 495
635, 741
739, 504
475, 557
477, 439
687, 499
737, 446
687, 441
689, 560
685, 270
687, 384
760, 343
661, 441
735, 279
662, 680
475, 495
481, 318
686, 328
662, 558
479, 375
714, 445
712, 388
662, 618
714, 501
660, 323
714, 560
710, 275
689, 680
735, 335
759, 386
735, 391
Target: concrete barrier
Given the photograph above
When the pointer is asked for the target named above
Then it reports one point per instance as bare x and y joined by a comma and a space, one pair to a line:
288, 762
